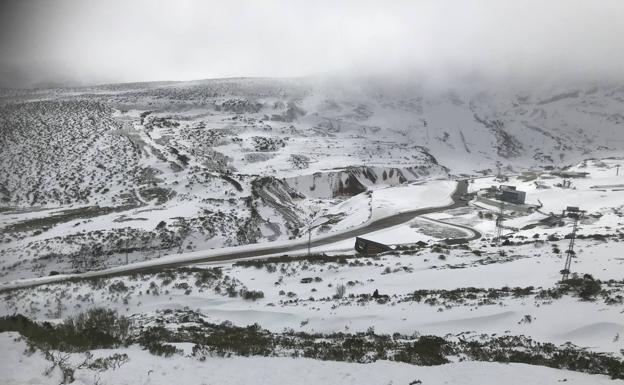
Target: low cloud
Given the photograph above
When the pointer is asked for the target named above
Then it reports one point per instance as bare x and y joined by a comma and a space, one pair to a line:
85, 42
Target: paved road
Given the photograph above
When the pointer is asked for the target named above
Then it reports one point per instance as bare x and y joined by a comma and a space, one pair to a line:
379, 224
475, 234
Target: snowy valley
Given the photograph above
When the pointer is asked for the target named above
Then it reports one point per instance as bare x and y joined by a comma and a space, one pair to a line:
211, 225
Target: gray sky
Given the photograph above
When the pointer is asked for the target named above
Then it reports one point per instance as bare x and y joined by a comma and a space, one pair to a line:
88, 41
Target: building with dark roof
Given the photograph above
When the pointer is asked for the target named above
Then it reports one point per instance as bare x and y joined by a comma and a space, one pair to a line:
513, 196
368, 247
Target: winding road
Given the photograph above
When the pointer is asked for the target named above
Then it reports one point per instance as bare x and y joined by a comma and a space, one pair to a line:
262, 250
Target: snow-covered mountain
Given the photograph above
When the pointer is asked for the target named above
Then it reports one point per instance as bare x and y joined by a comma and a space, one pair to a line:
109, 193
235, 161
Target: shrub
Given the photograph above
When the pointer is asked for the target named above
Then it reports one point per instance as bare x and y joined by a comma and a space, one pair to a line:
341, 290
590, 289
586, 287
97, 328
225, 339
313, 259
118, 287
427, 350
251, 295
100, 325
105, 363
160, 349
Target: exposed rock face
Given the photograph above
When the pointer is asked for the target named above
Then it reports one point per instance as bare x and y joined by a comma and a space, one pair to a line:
355, 180
350, 187
273, 205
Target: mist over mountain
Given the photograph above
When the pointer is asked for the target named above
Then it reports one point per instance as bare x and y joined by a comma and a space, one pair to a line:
74, 42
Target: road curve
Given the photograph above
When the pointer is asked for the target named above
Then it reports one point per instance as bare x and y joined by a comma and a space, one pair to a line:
475, 234
379, 224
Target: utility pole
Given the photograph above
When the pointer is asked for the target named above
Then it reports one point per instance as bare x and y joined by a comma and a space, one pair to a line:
499, 175
617, 170
501, 208
311, 220
311, 226
499, 222
126, 249
576, 215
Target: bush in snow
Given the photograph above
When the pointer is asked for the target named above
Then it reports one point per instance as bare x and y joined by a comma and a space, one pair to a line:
341, 290
95, 329
251, 295
160, 349
118, 287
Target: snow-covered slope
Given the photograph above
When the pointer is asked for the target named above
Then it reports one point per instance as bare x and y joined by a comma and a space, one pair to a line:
141, 367
100, 177
149, 169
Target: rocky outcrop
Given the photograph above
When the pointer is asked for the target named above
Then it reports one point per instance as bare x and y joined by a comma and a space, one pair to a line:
355, 180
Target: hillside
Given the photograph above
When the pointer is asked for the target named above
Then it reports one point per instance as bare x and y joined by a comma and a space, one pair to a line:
174, 219
154, 168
